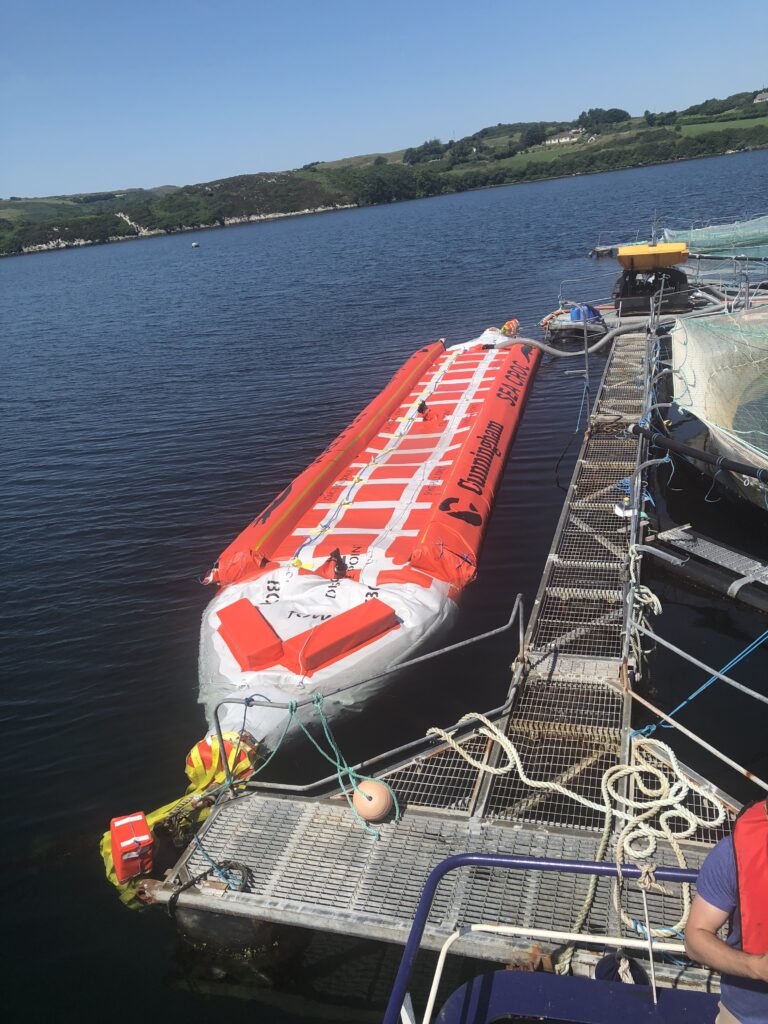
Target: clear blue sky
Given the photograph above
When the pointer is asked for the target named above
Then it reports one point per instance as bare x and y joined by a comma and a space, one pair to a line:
108, 95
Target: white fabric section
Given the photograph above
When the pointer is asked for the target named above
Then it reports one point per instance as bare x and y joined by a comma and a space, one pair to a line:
348, 531
383, 482
375, 504
450, 401
303, 600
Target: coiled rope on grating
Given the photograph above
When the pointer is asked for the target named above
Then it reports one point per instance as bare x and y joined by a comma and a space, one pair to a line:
660, 796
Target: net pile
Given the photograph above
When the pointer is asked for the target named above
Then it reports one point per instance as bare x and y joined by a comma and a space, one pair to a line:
747, 238
721, 376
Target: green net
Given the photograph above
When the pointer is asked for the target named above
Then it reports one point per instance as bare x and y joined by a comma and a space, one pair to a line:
748, 238
720, 373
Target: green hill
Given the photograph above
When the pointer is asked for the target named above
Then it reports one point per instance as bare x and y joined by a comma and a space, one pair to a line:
598, 140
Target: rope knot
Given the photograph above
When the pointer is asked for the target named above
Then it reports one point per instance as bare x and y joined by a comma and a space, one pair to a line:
647, 880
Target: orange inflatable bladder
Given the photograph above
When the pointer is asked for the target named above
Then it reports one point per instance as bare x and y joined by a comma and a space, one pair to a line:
329, 640
259, 541
249, 636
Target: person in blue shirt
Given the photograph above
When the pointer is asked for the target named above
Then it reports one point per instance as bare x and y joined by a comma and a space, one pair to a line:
744, 976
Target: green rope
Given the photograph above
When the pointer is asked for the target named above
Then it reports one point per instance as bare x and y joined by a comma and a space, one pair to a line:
339, 762
346, 775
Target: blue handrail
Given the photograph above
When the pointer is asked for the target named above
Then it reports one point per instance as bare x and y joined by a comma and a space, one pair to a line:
500, 860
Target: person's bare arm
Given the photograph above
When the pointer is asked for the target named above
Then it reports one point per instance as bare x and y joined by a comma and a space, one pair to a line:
703, 945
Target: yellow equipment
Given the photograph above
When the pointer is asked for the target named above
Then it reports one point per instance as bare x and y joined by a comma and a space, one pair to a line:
207, 777
649, 257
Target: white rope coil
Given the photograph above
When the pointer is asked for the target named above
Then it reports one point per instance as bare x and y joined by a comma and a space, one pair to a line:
661, 797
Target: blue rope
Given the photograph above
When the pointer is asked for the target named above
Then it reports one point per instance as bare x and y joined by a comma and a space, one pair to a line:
642, 931
625, 487
648, 730
671, 462
224, 874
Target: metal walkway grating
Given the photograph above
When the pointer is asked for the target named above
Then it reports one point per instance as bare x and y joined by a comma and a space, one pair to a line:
585, 576
611, 446
555, 755
593, 535
591, 626
331, 875
576, 703
441, 780
580, 607
569, 714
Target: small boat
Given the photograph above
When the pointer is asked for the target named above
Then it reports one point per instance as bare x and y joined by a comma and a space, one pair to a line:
195, 245
361, 560
571, 321
648, 273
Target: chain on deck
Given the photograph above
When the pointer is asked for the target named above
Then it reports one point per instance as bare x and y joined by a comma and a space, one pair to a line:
312, 865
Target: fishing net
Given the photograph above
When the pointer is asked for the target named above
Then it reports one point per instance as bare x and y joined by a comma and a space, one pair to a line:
747, 238
721, 376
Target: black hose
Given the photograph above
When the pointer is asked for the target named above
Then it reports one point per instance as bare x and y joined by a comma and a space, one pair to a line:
660, 441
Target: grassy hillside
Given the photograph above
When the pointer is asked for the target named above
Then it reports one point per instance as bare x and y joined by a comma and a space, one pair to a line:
597, 140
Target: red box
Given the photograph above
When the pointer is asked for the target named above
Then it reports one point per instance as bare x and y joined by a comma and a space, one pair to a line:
131, 842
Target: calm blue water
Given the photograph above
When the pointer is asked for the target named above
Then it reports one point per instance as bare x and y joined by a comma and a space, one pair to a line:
154, 397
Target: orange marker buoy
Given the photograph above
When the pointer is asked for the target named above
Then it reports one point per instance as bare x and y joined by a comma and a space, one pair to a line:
372, 800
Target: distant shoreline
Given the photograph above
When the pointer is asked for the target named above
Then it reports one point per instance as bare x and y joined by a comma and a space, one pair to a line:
142, 233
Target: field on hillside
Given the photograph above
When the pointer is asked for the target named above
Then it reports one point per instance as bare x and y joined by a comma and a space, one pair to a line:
721, 126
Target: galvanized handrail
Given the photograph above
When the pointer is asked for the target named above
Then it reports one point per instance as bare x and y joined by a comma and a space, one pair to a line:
695, 661
636, 486
249, 702
458, 730
507, 861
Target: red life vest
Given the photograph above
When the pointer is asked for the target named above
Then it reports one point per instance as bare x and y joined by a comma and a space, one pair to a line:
750, 844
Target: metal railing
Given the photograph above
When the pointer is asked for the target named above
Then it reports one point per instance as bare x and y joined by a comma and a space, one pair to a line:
509, 862
633, 624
